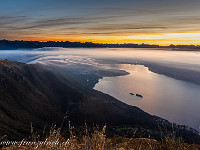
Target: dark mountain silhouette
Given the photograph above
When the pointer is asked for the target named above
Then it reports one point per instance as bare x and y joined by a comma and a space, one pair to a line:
29, 93
6, 44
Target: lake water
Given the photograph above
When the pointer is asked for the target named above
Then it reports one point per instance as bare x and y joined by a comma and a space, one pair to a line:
172, 99
175, 100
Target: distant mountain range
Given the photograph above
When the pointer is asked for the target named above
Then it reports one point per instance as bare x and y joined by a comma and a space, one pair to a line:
6, 44
32, 94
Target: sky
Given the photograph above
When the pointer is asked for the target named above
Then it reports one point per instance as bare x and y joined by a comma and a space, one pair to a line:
160, 22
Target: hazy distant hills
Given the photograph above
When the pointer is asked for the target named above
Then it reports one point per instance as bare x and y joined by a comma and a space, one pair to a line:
29, 93
6, 44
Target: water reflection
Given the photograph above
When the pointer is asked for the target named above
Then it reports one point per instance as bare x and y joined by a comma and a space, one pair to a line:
175, 100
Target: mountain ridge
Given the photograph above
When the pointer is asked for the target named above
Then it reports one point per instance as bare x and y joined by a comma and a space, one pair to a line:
32, 94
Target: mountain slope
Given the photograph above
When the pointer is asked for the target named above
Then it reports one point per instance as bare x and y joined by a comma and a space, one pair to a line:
30, 93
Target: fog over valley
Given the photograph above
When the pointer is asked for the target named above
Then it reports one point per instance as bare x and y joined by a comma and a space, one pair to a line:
172, 76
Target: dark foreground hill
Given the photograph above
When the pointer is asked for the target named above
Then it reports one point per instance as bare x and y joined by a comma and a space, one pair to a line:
31, 94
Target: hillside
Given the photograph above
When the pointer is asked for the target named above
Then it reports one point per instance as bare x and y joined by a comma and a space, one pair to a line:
32, 94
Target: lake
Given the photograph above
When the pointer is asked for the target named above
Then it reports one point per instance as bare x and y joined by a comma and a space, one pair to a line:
175, 100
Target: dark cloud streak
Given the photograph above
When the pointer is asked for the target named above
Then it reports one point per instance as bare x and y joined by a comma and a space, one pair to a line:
106, 17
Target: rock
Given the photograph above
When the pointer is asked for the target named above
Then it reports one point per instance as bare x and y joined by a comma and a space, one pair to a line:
138, 95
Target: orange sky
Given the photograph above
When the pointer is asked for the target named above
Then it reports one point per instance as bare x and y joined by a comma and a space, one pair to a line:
106, 21
160, 39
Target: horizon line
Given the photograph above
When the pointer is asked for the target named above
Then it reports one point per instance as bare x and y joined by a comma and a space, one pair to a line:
115, 43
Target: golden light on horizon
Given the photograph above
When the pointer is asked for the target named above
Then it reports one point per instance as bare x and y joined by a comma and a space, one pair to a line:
150, 22
138, 38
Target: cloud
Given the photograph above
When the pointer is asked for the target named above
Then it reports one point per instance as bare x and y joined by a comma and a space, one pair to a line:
94, 19
9, 20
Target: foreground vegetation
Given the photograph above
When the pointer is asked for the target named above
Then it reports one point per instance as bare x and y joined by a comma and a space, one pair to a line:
96, 139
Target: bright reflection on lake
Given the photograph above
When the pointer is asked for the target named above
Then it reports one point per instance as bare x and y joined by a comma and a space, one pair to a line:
175, 100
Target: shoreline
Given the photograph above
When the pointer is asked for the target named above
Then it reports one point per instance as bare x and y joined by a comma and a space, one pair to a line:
175, 72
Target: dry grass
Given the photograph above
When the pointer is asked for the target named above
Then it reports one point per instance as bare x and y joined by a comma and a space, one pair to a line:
95, 139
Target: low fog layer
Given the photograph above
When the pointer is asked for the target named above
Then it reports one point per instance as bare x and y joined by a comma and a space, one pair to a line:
90, 65
183, 65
